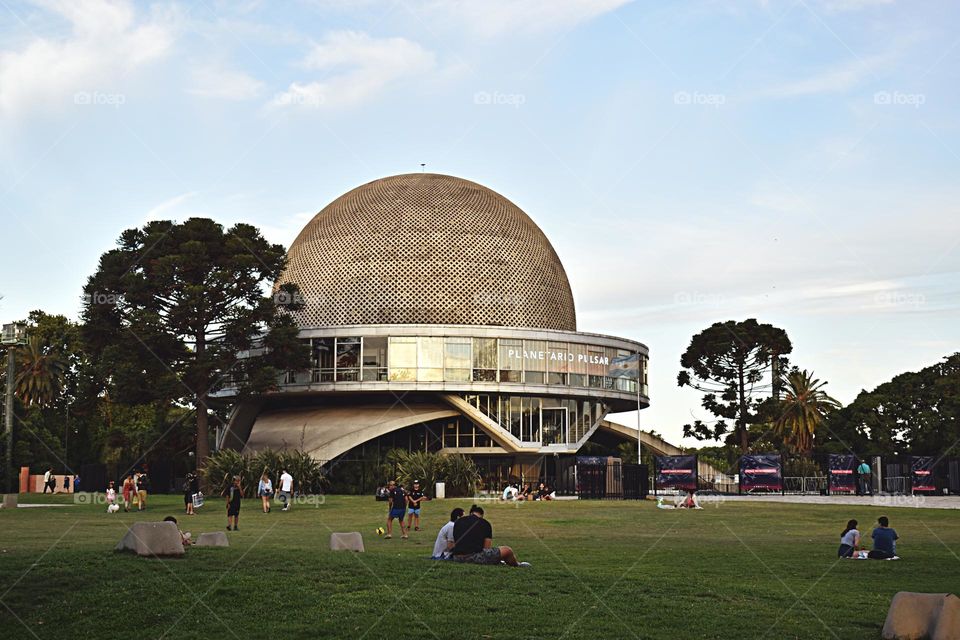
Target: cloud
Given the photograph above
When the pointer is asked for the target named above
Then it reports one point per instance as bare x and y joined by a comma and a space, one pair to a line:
159, 212
832, 80
494, 18
219, 82
836, 6
358, 67
105, 42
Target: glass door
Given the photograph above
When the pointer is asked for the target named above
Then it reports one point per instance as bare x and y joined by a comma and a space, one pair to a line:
554, 425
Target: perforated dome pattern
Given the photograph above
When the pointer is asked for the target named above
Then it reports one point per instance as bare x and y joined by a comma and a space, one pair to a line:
424, 248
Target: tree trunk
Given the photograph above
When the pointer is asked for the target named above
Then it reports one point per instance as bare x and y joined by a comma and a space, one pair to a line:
200, 402
742, 418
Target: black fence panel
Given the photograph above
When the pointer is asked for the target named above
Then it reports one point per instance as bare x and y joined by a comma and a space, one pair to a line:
636, 481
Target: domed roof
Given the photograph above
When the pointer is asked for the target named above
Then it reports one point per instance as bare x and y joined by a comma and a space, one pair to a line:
424, 248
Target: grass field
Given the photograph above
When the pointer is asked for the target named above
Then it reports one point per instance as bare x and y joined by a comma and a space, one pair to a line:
600, 570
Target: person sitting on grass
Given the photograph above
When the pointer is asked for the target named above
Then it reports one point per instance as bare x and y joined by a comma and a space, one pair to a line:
473, 542
543, 492
849, 541
414, 498
444, 544
526, 493
233, 495
396, 508
510, 492
185, 538
884, 541
690, 501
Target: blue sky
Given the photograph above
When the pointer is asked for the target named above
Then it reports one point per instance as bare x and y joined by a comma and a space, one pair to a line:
793, 161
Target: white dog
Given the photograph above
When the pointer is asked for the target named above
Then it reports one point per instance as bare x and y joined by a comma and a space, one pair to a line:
113, 508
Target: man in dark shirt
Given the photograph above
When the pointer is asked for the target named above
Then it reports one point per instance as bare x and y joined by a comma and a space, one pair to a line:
884, 541
233, 494
397, 507
473, 542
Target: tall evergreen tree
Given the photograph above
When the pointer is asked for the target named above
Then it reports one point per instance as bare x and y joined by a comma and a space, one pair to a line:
169, 313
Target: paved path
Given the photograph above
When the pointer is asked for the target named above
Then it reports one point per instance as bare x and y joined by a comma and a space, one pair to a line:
918, 501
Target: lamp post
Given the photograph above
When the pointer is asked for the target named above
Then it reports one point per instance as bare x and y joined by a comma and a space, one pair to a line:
12, 336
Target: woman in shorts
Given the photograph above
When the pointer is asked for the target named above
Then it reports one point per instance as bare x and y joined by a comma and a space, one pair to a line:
265, 491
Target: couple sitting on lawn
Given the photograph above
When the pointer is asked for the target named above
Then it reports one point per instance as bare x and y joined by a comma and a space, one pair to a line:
884, 542
470, 539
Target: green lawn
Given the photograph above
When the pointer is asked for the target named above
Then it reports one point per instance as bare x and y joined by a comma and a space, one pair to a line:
600, 569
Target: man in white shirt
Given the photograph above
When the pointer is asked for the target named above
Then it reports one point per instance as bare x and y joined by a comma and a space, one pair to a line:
286, 490
510, 493
442, 547
49, 482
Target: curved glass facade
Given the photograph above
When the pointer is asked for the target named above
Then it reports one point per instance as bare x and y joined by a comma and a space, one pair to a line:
456, 359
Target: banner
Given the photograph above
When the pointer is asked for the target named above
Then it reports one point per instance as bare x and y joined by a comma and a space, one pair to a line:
842, 478
761, 471
921, 473
675, 472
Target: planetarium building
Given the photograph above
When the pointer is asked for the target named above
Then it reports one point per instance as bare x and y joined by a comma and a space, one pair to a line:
439, 318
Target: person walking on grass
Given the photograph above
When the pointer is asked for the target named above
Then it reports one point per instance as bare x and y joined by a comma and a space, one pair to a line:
233, 495
49, 482
265, 491
143, 487
396, 508
128, 490
191, 486
286, 490
414, 498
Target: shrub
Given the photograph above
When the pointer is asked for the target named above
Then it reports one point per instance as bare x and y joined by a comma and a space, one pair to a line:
221, 466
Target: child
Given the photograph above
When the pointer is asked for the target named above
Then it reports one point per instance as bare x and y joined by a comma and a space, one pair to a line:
233, 494
111, 494
413, 506
185, 538
849, 540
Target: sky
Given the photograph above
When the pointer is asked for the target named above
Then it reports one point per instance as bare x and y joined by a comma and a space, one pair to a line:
691, 162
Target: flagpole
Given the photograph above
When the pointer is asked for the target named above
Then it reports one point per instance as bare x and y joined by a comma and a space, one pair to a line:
639, 378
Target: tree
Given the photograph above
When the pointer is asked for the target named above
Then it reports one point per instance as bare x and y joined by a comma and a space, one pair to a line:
915, 412
41, 371
170, 311
803, 409
729, 363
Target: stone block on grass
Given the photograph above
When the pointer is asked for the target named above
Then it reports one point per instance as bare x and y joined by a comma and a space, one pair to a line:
352, 541
212, 539
9, 501
923, 616
148, 539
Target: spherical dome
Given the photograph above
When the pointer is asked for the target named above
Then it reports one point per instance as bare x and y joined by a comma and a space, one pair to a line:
423, 248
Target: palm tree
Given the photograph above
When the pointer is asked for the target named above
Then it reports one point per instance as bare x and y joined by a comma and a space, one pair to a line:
40, 373
803, 409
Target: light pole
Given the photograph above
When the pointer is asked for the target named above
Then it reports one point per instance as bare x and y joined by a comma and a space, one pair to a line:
12, 336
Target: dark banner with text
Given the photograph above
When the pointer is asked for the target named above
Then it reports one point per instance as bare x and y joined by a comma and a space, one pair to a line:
761, 471
842, 478
921, 473
675, 472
